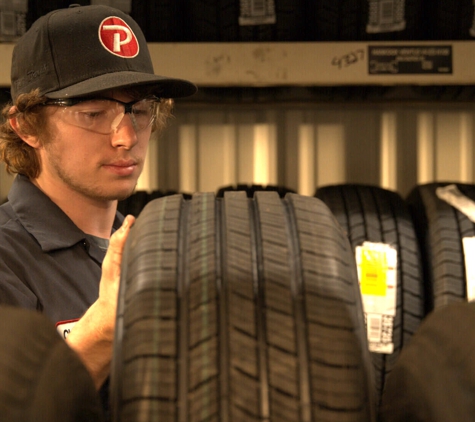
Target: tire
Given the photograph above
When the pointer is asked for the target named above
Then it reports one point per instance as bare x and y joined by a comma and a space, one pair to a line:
441, 228
439, 359
134, 204
239, 310
160, 20
373, 214
252, 189
218, 20
347, 20
451, 20
41, 378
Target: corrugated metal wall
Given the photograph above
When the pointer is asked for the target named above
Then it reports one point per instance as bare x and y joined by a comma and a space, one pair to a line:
302, 147
395, 147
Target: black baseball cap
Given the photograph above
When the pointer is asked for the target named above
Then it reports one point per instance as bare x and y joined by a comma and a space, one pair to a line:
82, 50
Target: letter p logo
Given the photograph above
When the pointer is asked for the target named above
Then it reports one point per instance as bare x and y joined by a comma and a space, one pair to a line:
118, 38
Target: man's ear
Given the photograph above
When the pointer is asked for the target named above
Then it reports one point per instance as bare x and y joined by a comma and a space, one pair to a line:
16, 124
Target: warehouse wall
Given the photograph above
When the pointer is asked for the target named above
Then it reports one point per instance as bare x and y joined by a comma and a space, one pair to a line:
302, 148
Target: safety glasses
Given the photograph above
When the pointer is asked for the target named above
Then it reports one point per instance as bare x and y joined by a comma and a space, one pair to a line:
104, 115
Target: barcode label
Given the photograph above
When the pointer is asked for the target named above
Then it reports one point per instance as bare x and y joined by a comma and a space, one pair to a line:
258, 7
377, 275
386, 16
257, 12
380, 333
374, 328
386, 12
8, 23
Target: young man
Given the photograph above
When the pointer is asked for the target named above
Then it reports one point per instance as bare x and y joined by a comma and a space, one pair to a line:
85, 101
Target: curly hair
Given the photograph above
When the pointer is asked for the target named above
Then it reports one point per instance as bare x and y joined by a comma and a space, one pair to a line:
21, 158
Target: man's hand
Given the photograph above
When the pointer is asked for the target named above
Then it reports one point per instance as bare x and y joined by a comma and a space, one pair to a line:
93, 334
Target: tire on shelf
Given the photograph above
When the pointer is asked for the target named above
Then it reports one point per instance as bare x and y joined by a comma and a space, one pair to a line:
451, 20
218, 20
441, 229
160, 20
240, 309
351, 20
369, 213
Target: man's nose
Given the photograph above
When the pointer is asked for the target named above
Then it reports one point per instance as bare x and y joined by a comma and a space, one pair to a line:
123, 131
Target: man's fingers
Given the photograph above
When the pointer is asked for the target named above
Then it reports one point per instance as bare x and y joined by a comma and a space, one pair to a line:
118, 239
113, 258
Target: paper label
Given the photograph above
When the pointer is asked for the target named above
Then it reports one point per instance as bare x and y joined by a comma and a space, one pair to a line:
452, 195
377, 274
469, 255
12, 19
65, 327
257, 12
386, 16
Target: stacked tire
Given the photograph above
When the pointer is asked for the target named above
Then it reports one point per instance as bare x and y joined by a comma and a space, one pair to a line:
441, 229
372, 214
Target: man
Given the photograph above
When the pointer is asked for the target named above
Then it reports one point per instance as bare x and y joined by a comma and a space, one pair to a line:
85, 101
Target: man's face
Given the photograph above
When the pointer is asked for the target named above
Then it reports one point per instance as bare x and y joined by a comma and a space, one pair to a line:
95, 165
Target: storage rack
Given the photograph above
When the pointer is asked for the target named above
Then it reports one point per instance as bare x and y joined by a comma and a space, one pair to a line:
259, 64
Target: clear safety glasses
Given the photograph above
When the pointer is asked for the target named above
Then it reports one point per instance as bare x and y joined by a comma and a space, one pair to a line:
103, 115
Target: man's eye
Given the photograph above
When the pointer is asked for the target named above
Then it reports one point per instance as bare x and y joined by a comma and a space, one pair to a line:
141, 112
92, 114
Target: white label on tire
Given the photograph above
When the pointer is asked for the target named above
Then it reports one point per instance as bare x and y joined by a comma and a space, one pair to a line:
452, 195
12, 19
469, 255
257, 12
386, 16
377, 274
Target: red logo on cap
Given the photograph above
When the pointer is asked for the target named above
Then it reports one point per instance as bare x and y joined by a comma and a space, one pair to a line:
118, 38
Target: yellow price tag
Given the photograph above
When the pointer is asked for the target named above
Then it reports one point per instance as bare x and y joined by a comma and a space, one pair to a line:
374, 267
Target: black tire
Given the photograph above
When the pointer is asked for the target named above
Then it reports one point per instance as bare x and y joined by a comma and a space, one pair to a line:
160, 20
252, 189
451, 20
240, 310
438, 360
441, 228
38, 8
218, 20
347, 20
373, 214
134, 204
41, 378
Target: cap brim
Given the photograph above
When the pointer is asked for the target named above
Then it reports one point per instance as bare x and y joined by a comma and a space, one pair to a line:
161, 86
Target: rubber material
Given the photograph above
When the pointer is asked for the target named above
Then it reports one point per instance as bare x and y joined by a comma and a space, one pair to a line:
240, 309
369, 213
440, 229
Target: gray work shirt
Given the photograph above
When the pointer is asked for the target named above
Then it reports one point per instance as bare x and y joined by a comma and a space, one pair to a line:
46, 262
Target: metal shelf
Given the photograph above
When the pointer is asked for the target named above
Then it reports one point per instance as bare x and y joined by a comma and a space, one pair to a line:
307, 63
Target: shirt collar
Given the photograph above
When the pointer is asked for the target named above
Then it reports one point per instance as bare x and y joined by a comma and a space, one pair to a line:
43, 219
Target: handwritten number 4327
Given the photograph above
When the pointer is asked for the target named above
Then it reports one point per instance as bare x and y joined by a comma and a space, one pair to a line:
348, 59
